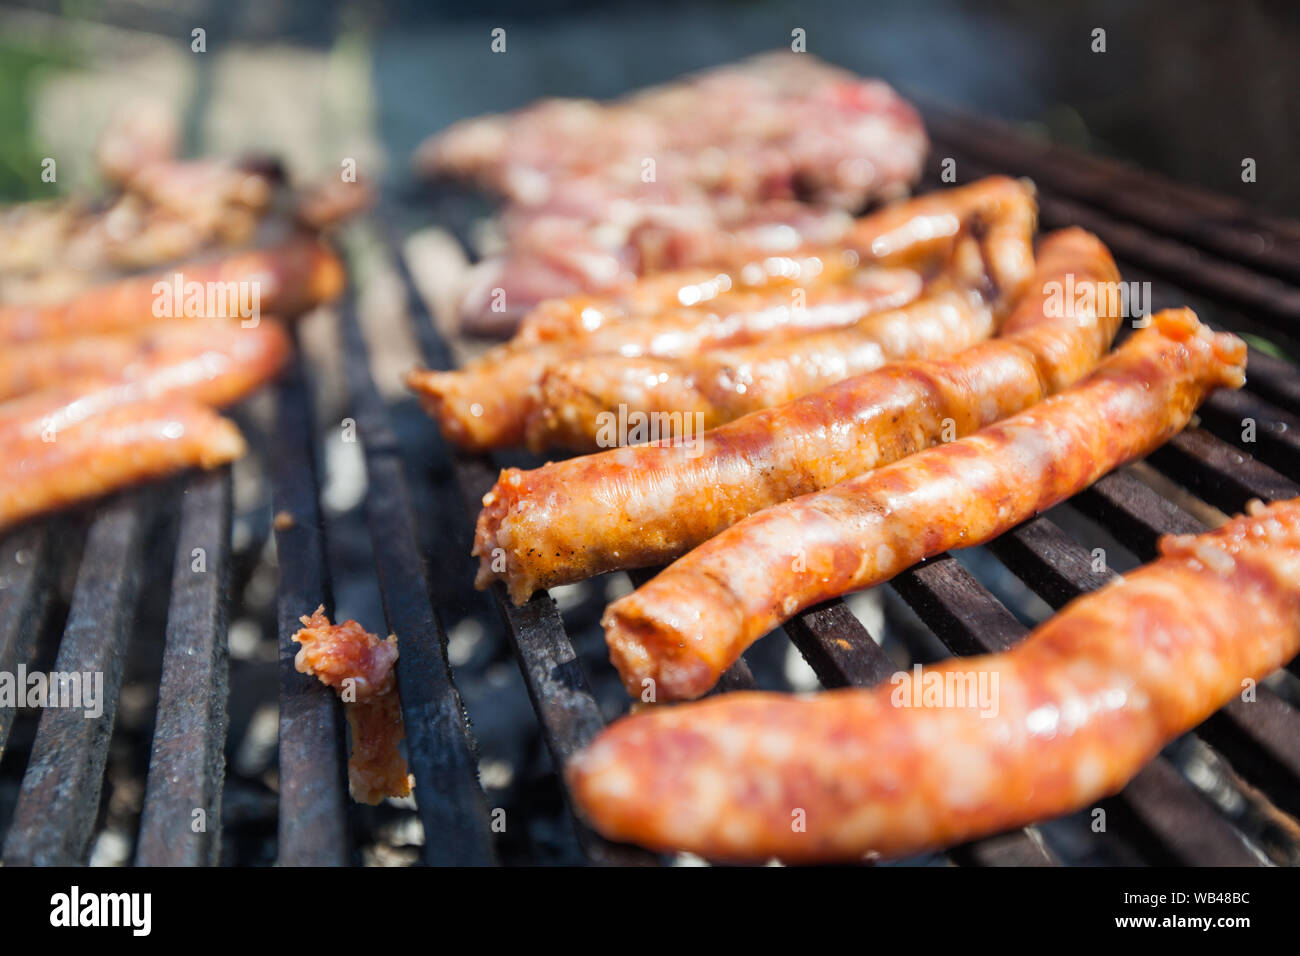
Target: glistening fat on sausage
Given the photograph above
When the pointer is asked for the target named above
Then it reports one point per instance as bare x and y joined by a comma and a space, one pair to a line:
1074, 712
681, 630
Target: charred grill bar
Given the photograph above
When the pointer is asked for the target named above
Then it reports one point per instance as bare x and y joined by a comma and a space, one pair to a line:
1195, 241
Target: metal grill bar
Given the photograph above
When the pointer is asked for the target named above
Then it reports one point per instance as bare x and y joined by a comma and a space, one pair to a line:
440, 742
59, 800
1276, 438
180, 823
25, 559
313, 798
557, 686
1216, 223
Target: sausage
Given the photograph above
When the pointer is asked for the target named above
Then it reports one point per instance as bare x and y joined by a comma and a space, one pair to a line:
644, 505
1001, 210
488, 403
1067, 716
287, 279
686, 626
337, 654
712, 388
215, 362
111, 450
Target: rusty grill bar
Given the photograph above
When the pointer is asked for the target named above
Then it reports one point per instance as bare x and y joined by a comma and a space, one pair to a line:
1183, 238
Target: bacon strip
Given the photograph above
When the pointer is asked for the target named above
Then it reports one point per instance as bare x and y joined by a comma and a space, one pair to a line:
686, 626
359, 666
289, 278
215, 362
1080, 705
109, 451
644, 505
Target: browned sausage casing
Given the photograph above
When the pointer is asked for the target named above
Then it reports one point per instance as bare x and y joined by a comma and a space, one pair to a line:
643, 505
581, 398
109, 451
680, 631
290, 278
489, 403
1076, 710
213, 361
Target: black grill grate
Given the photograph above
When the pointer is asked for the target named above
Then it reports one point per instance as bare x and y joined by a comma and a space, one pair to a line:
1188, 241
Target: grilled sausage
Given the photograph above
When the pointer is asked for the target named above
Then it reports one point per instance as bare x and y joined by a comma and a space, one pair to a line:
1074, 712
687, 625
287, 279
488, 403
118, 447
215, 362
644, 505
579, 397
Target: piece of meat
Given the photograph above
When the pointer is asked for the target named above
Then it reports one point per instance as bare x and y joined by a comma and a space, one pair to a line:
360, 667
773, 126
213, 361
581, 398
1067, 717
108, 451
681, 630
487, 404
645, 505
282, 280
677, 176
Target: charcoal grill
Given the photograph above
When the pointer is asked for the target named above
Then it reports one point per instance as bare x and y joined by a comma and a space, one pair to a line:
1239, 269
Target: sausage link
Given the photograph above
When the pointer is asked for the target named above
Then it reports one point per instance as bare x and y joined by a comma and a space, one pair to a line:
289, 278
712, 388
109, 451
213, 361
488, 403
687, 625
1066, 717
643, 505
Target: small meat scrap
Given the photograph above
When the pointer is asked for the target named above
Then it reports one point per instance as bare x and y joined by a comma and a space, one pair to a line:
359, 666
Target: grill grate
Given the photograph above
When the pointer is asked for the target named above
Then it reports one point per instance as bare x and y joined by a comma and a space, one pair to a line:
1186, 239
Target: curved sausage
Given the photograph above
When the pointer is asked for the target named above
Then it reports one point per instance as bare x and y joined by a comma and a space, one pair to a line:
971, 746
114, 449
488, 403
687, 625
643, 505
212, 361
714, 387
288, 279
